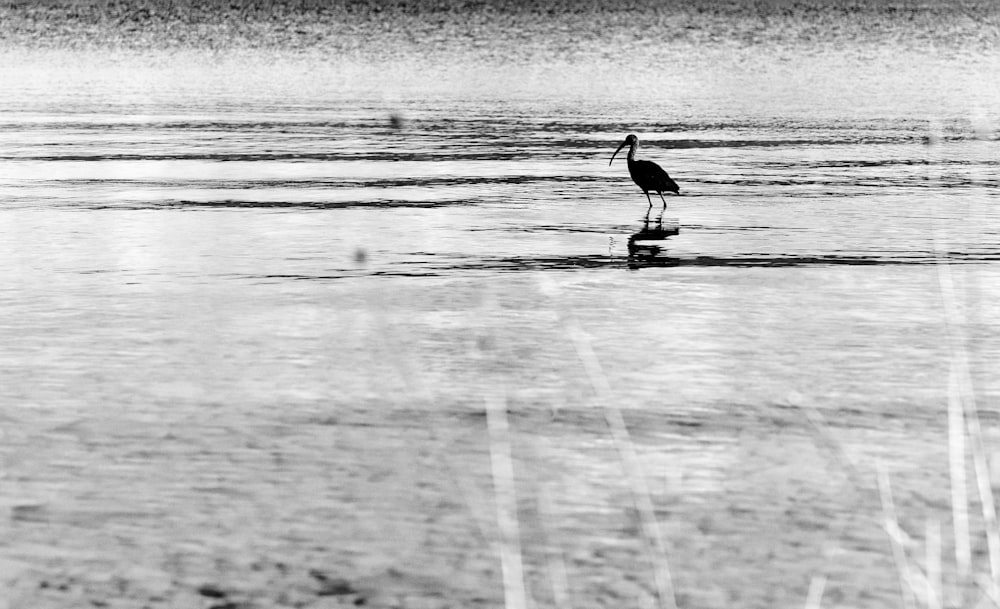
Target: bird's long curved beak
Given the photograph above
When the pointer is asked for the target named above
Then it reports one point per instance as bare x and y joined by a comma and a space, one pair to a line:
617, 151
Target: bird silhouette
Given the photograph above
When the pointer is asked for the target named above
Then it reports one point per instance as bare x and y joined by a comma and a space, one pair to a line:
647, 175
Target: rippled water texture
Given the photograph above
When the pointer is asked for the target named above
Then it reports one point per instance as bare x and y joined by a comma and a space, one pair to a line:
254, 299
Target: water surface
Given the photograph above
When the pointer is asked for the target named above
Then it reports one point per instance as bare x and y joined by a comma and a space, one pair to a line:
244, 313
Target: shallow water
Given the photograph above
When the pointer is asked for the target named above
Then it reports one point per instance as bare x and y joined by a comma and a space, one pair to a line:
229, 261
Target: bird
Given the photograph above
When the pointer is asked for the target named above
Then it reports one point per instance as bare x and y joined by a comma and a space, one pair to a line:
647, 175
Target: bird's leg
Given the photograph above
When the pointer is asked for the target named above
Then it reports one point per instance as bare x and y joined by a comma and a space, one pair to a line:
659, 220
647, 198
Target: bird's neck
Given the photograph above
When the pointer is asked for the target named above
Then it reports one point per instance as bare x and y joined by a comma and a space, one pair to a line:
631, 151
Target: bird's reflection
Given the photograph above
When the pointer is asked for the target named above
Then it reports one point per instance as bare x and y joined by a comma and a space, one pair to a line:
647, 246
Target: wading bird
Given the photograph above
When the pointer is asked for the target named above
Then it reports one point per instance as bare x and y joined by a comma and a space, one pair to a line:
647, 175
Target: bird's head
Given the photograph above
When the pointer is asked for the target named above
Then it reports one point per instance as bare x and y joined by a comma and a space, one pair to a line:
630, 141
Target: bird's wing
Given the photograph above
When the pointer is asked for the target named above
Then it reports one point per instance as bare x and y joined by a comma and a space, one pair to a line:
658, 178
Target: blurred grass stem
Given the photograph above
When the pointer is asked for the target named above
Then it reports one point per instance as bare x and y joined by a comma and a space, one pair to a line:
815, 596
891, 524
963, 416
502, 468
932, 562
630, 461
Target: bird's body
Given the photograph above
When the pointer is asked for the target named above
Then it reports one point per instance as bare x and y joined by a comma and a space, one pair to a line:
647, 175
